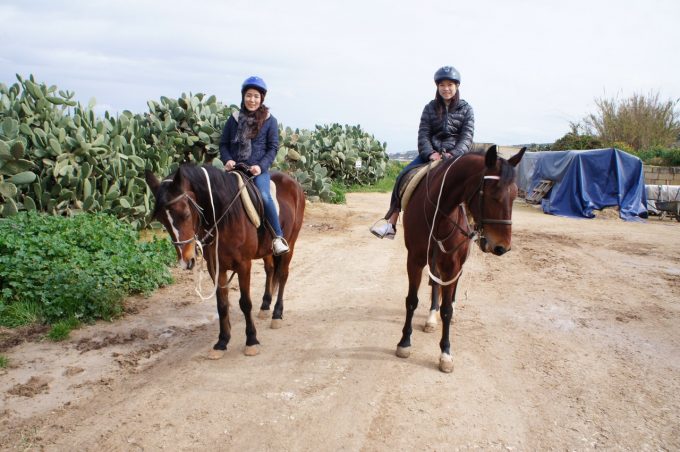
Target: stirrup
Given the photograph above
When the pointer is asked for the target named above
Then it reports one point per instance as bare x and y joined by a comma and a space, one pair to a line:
386, 234
285, 243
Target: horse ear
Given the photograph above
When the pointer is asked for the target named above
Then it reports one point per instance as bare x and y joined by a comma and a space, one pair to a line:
491, 156
152, 181
179, 177
514, 160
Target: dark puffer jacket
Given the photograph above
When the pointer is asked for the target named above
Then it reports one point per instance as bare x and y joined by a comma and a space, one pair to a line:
452, 132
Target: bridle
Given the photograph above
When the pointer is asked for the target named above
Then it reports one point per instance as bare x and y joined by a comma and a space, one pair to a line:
201, 218
477, 232
197, 208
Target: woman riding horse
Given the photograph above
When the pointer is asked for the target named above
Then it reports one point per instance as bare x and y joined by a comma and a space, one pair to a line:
251, 137
446, 129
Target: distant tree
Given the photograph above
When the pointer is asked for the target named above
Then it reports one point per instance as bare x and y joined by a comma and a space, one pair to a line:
577, 138
642, 122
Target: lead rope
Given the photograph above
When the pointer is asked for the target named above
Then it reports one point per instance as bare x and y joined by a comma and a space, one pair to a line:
199, 282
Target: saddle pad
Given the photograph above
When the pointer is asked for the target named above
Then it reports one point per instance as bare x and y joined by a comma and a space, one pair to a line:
247, 201
416, 175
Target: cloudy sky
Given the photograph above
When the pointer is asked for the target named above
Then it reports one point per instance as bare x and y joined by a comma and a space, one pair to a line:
528, 67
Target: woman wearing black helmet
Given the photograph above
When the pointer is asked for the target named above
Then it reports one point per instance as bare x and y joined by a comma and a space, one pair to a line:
251, 136
446, 129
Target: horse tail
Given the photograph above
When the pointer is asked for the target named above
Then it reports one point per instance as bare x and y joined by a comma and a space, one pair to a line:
278, 264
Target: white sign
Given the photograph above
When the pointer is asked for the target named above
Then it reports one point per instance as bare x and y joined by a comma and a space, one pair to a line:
357, 164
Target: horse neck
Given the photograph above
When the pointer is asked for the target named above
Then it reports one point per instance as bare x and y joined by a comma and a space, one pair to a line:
458, 178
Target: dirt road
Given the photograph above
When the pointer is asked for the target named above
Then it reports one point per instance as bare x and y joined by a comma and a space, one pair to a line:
570, 341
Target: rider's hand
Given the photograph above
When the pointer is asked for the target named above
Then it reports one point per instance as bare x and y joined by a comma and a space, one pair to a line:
255, 170
435, 156
229, 165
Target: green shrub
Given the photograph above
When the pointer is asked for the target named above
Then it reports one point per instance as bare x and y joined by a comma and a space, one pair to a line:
55, 268
660, 157
641, 121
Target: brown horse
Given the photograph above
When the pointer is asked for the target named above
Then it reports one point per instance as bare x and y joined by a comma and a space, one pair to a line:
437, 232
202, 205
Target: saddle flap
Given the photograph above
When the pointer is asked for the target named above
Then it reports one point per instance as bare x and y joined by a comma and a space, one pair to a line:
410, 181
252, 201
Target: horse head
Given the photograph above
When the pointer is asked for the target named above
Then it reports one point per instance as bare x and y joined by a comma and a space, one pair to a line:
490, 204
177, 210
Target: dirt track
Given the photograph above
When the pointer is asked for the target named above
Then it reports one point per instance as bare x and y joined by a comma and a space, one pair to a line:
570, 341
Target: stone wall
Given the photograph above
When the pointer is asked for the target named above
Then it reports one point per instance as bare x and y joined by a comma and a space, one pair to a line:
662, 175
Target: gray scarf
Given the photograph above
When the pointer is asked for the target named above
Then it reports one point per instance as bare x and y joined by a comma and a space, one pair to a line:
246, 126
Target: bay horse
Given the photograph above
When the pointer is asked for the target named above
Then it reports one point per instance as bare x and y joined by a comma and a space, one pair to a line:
200, 206
437, 232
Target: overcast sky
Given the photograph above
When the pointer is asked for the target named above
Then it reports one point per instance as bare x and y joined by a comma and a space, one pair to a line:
528, 67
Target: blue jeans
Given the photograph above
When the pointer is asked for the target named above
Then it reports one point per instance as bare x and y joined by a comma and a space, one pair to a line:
395, 202
262, 182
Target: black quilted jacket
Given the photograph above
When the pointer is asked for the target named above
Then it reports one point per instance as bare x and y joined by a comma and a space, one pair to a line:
452, 132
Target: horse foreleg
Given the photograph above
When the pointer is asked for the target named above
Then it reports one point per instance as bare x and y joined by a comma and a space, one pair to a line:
246, 307
282, 264
415, 273
268, 287
431, 323
222, 296
446, 312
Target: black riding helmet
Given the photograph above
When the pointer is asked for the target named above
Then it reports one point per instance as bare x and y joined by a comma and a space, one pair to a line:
447, 73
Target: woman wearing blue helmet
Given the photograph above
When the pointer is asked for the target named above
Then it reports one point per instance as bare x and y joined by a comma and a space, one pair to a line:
446, 129
251, 136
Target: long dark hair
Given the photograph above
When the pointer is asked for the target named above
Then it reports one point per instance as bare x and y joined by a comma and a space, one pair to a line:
440, 106
260, 115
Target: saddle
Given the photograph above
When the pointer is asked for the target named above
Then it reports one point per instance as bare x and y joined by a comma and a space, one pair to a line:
410, 180
251, 198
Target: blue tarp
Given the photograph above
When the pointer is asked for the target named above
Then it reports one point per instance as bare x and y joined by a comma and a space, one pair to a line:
585, 181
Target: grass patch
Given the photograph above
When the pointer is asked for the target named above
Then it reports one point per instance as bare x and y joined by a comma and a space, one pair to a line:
62, 329
4, 362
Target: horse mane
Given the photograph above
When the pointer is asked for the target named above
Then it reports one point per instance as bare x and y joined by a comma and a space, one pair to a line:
223, 186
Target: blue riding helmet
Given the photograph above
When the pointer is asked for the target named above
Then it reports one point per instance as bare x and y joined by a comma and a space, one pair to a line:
447, 73
254, 82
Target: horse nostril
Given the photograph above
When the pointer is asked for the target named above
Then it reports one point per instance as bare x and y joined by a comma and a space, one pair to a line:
499, 250
191, 263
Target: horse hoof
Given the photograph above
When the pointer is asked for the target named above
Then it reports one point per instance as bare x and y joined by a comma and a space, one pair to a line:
430, 327
251, 350
446, 363
215, 354
263, 314
403, 352
276, 324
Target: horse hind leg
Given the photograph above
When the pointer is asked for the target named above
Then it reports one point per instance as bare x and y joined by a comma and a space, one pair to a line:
415, 273
431, 323
282, 264
269, 287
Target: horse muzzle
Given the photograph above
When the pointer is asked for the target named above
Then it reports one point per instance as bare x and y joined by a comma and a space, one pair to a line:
187, 264
487, 247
